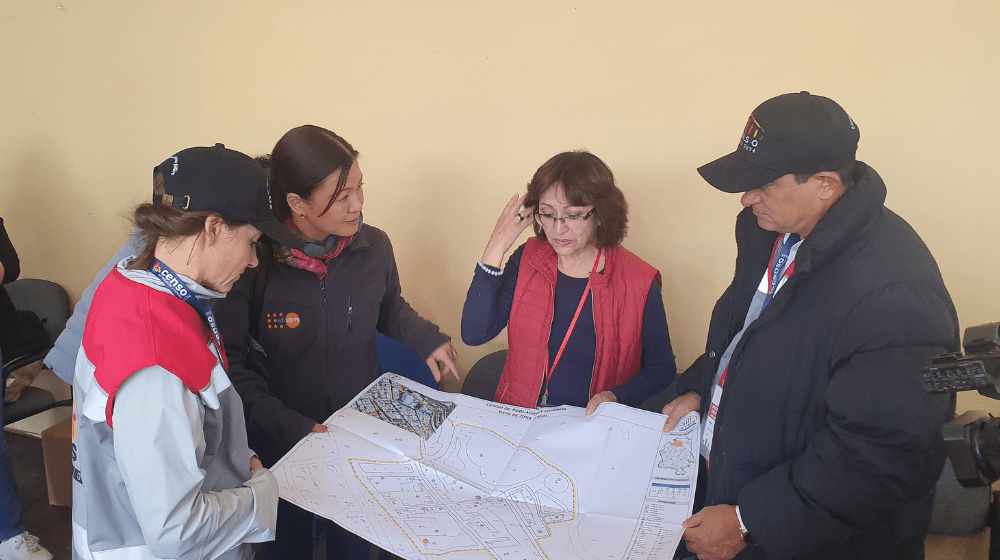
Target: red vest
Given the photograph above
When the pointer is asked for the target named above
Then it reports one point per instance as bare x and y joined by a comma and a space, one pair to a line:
131, 326
619, 299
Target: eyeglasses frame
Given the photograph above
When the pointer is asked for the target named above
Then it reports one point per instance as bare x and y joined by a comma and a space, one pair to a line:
578, 218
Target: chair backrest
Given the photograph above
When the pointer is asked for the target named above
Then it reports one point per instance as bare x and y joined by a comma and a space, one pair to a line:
960, 511
483, 378
398, 358
47, 299
51, 304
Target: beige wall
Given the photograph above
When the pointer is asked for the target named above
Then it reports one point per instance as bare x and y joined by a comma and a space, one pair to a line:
454, 104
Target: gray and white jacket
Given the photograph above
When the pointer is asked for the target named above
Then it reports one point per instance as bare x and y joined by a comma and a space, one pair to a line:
173, 478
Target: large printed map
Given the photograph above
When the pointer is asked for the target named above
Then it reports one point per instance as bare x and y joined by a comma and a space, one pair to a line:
424, 473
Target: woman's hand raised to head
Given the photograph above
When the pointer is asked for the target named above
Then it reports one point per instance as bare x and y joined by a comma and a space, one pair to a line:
510, 224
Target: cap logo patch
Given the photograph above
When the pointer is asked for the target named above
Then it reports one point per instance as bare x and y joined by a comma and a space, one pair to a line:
753, 135
174, 172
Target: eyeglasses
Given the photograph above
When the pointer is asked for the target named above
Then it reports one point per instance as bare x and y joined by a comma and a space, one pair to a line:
573, 220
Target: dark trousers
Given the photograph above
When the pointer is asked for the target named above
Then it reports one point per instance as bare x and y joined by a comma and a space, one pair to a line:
10, 502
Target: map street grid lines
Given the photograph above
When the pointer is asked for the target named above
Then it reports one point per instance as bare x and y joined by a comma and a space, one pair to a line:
428, 474
403, 407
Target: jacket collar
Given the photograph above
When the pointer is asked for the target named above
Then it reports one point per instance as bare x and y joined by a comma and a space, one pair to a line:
150, 280
360, 240
844, 223
545, 260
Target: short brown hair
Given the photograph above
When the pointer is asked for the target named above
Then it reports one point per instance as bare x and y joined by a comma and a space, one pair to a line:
587, 181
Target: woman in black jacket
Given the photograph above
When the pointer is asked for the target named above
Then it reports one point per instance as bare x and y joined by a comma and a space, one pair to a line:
314, 310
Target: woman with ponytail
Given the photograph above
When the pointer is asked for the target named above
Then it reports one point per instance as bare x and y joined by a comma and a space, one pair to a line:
314, 307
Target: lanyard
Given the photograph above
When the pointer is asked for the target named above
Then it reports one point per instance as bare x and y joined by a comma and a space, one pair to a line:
779, 265
569, 331
180, 289
778, 269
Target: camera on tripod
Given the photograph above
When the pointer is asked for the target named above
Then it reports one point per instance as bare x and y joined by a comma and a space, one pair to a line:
974, 449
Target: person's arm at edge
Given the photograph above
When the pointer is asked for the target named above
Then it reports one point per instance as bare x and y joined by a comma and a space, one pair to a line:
62, 358
692, 385
10, 264
658, 365
489, 300
397, 319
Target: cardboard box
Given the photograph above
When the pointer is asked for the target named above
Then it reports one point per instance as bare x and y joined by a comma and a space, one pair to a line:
57, 450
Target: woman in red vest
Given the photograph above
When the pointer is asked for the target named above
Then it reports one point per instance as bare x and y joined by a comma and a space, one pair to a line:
585, 316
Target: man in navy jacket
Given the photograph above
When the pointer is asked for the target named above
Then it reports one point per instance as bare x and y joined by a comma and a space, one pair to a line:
818, 437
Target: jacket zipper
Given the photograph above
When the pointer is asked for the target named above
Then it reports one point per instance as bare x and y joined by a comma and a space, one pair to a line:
350, 319
718, 424
593, 370
326, 304
593, 315
552, 294
718, 420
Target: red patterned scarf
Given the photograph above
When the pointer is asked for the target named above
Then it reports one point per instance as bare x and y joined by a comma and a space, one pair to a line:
316, 265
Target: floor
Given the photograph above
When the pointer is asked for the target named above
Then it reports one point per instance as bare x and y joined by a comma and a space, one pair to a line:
51, 524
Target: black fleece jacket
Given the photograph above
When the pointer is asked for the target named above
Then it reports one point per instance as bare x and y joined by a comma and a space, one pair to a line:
319, 337
12, 269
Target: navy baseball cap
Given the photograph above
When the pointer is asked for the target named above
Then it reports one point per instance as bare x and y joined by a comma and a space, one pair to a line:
791, 133
227, 182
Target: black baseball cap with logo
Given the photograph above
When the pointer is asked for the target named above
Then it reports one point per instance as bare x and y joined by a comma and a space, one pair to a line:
227, 182
791, 133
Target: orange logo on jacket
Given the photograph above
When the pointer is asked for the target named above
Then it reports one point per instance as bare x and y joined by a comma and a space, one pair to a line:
283, 320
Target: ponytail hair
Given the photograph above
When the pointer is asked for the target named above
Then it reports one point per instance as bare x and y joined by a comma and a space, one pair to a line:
301, 160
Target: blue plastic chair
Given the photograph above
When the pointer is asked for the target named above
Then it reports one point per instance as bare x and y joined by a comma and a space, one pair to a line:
398, 358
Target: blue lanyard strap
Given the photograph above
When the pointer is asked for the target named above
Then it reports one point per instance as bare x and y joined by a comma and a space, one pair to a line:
779, 263
172, 281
